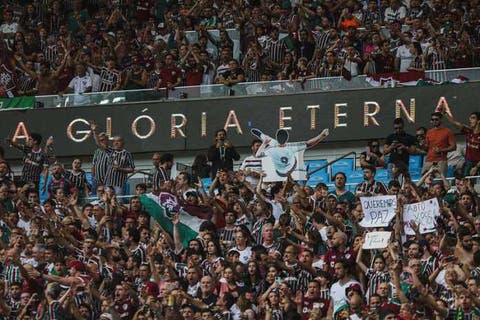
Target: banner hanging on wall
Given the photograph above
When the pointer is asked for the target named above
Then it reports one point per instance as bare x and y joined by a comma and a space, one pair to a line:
190, 124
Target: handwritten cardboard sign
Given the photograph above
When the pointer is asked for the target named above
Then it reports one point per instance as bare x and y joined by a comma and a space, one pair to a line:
378, 210
423, 213
376, 240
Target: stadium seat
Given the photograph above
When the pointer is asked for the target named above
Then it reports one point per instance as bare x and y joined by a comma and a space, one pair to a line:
416, 161
382, 175
355, 176
415, 173
314, 164
345, 165
317, 178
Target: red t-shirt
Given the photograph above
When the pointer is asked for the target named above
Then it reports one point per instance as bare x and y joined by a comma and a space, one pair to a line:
333, 255
472, 151
169, 75
193, 76
441, 138
307, 307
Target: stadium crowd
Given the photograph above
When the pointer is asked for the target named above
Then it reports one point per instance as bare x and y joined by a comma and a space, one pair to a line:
260, 250
77, 46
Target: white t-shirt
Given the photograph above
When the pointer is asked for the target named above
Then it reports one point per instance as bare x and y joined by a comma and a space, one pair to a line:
277, 208
405, 56
392, 15
80, 84
245, 254
24, 225
337, 293
9, 27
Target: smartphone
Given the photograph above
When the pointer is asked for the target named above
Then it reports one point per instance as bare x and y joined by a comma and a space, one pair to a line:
278, 280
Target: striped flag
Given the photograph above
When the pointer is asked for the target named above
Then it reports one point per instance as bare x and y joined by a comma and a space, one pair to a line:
189, 225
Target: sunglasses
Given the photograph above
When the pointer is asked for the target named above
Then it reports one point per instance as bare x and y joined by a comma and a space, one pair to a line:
435, 119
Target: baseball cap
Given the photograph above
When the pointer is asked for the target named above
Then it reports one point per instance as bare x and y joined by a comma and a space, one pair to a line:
355, 287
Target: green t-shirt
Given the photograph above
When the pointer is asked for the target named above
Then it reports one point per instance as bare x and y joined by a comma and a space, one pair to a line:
350, 197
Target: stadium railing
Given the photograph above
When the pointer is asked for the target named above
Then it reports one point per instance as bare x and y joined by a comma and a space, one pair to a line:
241, 89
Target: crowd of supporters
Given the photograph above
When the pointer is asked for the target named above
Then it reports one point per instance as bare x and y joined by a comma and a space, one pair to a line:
261, 250
52, 47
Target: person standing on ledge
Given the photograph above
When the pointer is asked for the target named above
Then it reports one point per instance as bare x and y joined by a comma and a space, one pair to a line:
222, 153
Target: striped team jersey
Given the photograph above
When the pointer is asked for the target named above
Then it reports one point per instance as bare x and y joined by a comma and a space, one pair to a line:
122, 159
100, 164
227, 234
54, 311
257, 230
50, 53
109, 79
11, 274
25, 82
153, 79
475, 273
78, 179
33, 164
258, 226
252, 163
276, 50
245, 221
159, 175
139, 253
374, 280
376, 188
181, 269
325, 294
15, 307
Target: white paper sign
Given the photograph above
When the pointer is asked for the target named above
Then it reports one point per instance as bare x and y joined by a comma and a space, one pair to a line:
378, 210
423, 213
376, 240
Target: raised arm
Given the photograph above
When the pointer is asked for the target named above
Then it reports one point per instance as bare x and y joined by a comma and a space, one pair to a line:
315, 140
360, 263
453, 121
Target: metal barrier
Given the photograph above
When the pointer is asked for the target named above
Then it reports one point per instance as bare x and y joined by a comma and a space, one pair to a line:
241, 89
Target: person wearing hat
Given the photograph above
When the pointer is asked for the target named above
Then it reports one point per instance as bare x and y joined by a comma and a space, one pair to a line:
191, 203
233, 256
77, 275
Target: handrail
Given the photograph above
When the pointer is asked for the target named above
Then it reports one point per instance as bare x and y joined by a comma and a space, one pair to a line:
240, 89
332, 162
